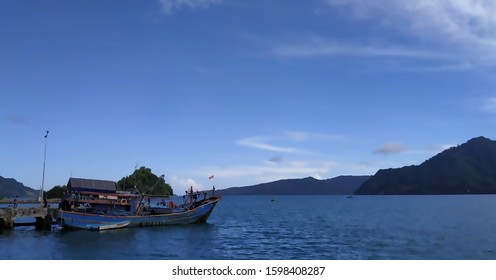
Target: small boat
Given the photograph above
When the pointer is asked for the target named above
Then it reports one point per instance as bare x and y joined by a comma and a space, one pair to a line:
96, 205
100, 227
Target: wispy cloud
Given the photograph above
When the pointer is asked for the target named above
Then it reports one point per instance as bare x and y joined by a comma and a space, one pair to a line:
391, 148
431, 150
450, 67
169, 7
302, 136
262, 143
266, 142
398, 147
199, 69
323, 47
489, 105
466, 27
16, 120
284, 170
293, 144
276, 159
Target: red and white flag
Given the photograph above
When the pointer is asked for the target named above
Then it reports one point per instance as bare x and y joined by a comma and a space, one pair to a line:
211, 177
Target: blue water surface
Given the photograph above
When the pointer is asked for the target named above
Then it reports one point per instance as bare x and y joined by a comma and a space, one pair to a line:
460, 227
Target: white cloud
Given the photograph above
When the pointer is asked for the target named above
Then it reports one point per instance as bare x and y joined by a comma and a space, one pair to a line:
464, 26
179, 185
168, 7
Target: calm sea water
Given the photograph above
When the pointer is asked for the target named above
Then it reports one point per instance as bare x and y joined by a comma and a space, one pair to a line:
290, 227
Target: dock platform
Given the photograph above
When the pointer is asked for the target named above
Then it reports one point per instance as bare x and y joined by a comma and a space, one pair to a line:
44, 216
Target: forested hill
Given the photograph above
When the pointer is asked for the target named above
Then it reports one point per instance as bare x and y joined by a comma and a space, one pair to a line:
342, 185
10, 188
469, 168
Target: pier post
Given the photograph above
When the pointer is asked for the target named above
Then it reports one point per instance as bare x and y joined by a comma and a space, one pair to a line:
39, 223
44, 223
9, 223
7, 218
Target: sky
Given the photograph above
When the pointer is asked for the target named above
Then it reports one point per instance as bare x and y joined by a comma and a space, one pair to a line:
247, 91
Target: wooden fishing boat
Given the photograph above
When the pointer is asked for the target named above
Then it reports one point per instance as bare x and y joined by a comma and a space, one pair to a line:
95, 205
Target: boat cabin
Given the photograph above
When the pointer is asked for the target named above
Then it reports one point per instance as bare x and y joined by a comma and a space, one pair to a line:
98, 195
91, 185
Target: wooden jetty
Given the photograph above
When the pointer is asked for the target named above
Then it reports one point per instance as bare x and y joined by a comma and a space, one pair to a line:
44, 216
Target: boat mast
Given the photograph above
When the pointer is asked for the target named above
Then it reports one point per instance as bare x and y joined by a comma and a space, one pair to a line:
213, 184
40, 199
149, 191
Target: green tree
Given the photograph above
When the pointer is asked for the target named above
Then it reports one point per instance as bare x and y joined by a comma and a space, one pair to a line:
146, 182
56, 192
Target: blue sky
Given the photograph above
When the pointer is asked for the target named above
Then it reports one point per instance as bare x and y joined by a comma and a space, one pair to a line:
247, 91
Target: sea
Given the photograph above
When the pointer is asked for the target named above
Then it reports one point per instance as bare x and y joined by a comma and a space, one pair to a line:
422, 227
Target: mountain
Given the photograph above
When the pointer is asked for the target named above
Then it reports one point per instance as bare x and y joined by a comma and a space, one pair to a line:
342, 185
10, 188
467, 168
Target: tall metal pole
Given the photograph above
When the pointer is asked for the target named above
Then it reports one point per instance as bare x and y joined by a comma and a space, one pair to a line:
40, 199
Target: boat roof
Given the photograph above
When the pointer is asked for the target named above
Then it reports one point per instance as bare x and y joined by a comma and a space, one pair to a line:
91, 185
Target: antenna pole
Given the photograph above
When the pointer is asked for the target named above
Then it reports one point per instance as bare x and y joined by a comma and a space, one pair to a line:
40, 199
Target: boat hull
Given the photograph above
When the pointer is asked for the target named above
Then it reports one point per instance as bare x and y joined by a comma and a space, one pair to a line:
78, 220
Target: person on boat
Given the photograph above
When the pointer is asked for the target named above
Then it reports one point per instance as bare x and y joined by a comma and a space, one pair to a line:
45, 202
15, 202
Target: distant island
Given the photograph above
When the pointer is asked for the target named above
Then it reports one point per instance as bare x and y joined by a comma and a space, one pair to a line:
469, 168
341, 185
9, 187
